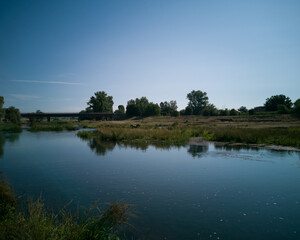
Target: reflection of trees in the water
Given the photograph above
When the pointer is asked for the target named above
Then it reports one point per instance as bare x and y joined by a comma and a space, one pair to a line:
10, 137
236, 147
101, 147
197, 150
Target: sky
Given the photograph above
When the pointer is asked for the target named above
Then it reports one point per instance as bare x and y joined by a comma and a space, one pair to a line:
54, 55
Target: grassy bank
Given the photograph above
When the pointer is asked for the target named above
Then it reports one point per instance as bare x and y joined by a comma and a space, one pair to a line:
36, 223
265, 130
53, 126
289, 136
10, 127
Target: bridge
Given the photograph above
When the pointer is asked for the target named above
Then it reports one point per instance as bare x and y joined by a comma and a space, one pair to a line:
91, 115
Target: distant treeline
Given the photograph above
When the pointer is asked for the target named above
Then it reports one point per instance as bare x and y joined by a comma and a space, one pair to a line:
198, 105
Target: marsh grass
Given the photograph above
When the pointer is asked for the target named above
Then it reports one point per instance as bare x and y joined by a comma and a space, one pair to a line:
10, 127
176, 133
285, 136
36, 223
53, 126
117, 134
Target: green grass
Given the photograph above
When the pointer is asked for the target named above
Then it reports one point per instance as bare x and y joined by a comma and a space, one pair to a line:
118, 134
181, 133
10, 127
285, 136
53, 126
36, 223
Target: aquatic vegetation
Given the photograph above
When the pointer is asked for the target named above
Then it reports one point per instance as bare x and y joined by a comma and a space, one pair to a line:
174, 136
53, 126
286, 136
10, 127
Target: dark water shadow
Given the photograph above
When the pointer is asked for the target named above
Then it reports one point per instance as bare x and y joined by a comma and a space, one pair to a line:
101, 147
197, 150
7, 137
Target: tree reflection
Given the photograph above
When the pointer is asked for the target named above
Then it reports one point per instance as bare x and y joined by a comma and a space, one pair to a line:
10, 137
197, 150
101, 147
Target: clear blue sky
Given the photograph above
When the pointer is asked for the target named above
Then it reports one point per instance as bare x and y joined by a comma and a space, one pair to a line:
55, 54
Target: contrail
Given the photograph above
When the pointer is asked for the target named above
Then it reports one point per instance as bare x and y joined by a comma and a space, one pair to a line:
47, 82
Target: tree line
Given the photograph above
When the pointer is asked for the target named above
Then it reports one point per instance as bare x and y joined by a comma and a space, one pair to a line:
10, 114
198, 105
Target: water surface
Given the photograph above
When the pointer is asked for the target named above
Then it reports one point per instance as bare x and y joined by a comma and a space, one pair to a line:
188, 192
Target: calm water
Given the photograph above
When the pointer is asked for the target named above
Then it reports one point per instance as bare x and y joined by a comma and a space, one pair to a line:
190, 192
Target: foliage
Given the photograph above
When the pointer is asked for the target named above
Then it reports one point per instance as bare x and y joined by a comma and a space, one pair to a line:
297, 106
289, 136
233, 112
101, 102
198, 100
120, 110
168, 108
243, 109
1, 107
188, 110
163, 135
224, 112
141, 107
282, 109
272, 103
13, 115
53, 126
152, 110
251, 111
210, 110
10, 127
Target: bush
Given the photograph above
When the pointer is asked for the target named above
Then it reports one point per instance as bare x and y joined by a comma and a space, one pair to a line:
13, 115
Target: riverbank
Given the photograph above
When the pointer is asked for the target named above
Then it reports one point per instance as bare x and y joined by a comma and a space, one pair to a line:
35, 222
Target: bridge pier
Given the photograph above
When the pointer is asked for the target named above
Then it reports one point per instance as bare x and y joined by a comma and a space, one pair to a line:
48, 119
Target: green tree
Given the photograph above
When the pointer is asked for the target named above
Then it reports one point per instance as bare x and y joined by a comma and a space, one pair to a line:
224, 112
1, 107
120, 110
13, 115
233, 112
101, 102
297, 106
243, 109
198, 100
210, 110
272, 103
137, 107
188, 110
168, 108
152, 110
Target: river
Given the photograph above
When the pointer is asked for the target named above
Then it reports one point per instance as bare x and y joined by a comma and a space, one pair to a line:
186, 192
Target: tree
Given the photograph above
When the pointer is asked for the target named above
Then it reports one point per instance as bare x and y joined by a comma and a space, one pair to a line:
168, 108
137, 107
297, 106
210, 110
120, 110
1, 107
188, 110
101, 102
152, 110
197, 101
13, 115
243, 109
273, 102
233, 112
